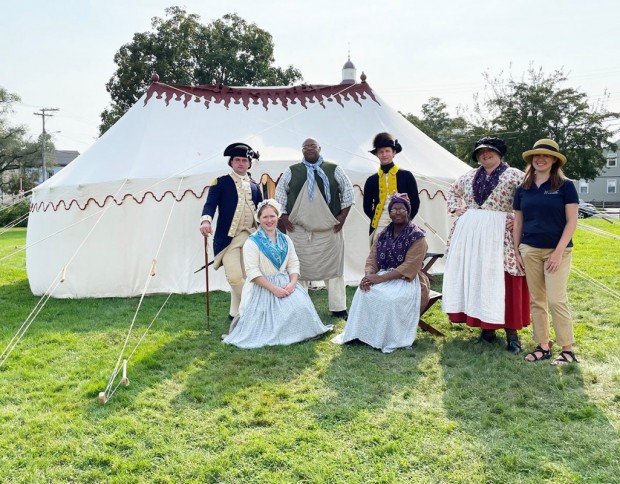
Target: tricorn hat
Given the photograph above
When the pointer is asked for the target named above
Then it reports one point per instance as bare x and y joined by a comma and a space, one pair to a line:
495, 144
241, 149
545, 147
385, 140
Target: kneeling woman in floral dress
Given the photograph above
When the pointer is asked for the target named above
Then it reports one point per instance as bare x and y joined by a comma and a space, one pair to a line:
386, 307
274, 309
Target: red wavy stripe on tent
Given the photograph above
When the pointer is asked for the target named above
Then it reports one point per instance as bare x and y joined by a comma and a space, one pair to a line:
431, 197
45, 206
67, 205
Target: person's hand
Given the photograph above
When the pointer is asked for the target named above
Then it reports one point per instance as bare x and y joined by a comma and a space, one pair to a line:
520, 263
338, 226
554, 261
284, 224
290, 288
460, 211
365, 284
510, 222
369, 280
205, 228
279, 292
374, 278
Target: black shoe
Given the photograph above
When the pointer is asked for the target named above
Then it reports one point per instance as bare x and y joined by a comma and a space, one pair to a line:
487, 335
341, 314
230, 318
512, 343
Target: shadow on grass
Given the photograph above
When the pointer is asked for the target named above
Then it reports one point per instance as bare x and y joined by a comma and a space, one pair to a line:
91, 314
336, 382
531, 421
361, 379
195, 370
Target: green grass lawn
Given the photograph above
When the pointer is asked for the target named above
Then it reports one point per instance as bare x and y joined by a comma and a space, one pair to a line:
199, 411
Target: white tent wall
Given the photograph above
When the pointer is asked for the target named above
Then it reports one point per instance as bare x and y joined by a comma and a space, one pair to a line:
116, 258
163, 154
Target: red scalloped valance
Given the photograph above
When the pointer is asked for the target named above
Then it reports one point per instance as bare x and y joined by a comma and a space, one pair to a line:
270, 96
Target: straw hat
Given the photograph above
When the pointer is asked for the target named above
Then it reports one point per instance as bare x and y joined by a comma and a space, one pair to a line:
545, 147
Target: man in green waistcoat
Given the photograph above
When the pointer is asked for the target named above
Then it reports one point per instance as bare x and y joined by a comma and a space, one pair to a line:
316, 196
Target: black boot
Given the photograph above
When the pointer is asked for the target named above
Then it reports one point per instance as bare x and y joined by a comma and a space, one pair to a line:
512, 341
487, 335
341, 314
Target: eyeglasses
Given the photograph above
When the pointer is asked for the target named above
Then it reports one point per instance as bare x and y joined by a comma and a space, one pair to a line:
398, 210
309, 147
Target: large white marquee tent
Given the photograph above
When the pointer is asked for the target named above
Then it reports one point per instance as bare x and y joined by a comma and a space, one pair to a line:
130, 205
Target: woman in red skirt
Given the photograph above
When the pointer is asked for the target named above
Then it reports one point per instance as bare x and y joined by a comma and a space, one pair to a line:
483, 286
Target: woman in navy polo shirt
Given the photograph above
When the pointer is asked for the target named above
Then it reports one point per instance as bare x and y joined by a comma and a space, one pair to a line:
545, 219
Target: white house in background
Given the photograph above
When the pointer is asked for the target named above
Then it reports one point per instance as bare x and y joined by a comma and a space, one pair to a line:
55, 162
61, 159
605, 189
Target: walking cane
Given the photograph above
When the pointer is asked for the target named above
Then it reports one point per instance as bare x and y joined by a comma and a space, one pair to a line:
207, 283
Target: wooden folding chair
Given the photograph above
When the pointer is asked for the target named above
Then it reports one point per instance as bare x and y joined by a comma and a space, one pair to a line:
434, 295
433, 257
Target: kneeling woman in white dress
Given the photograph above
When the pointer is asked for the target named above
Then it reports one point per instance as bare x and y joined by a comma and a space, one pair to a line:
274, 309
386, 307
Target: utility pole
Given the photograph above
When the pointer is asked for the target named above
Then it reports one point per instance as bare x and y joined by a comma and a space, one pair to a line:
43, 113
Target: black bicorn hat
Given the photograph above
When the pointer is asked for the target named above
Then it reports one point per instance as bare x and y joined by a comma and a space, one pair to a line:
241, 149
385, 140
492, 143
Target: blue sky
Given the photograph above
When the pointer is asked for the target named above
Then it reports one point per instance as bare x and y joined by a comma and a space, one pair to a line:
60, 53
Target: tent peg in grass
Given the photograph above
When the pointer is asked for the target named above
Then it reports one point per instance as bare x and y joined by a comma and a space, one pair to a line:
125, 380
102, 398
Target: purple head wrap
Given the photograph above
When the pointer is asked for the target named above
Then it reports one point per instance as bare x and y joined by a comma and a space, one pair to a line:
400, 198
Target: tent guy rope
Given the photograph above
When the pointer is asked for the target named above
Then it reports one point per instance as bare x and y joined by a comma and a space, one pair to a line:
105, 396
60, 277
13, 223
108, 392
597, 231
596, 283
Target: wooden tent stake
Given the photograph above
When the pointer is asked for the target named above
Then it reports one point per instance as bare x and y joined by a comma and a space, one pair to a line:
125, 380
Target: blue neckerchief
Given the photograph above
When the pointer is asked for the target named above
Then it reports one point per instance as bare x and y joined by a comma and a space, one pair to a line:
277, 252
312, 167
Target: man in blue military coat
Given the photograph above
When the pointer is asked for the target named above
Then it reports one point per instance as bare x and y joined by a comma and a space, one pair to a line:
235, 197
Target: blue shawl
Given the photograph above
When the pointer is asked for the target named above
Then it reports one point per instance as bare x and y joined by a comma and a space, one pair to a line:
277, 252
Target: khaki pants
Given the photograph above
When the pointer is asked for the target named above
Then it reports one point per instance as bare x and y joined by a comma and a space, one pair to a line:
233, 267
336, 293
548, 294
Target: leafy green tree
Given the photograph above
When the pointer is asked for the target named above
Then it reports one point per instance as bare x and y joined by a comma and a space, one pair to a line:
15, 215
25, 180
541, 106
184, 51
17, 151
437, 124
